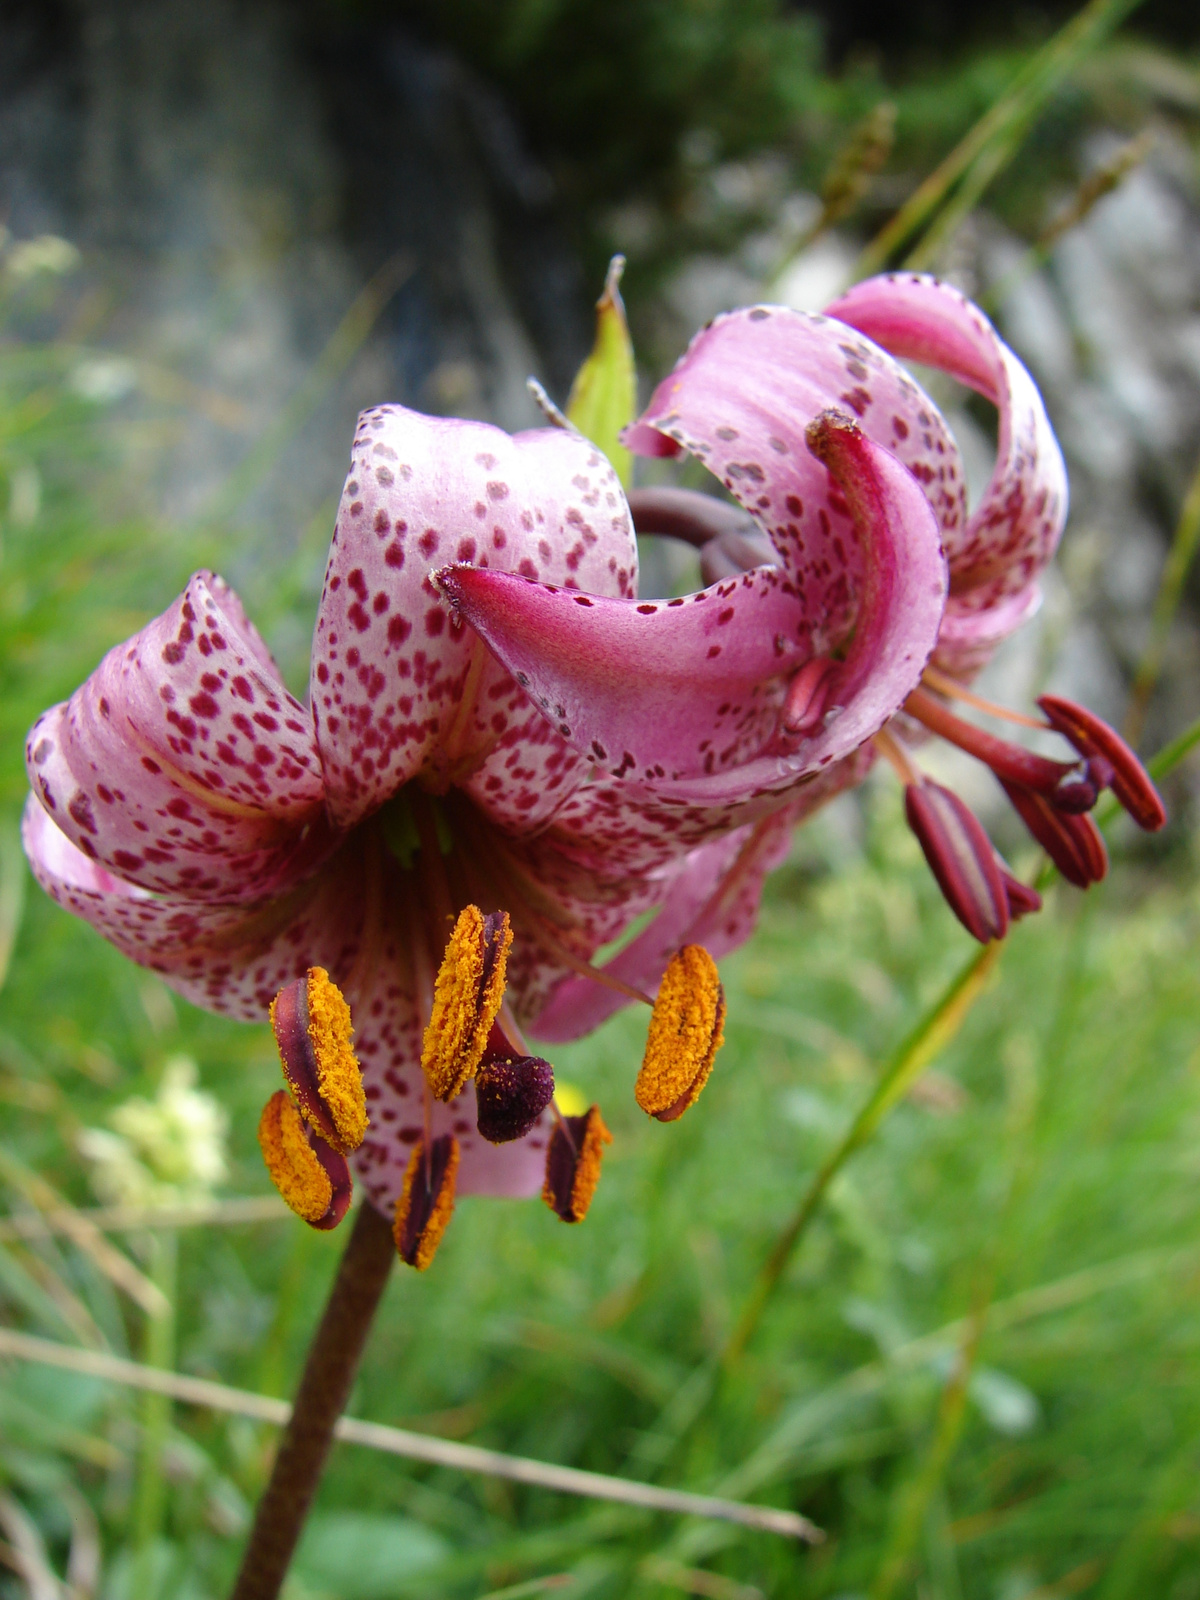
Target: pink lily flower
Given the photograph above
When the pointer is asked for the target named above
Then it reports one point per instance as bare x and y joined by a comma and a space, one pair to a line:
866, 578
230, 838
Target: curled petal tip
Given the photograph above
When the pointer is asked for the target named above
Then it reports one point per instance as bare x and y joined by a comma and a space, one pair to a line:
961, 858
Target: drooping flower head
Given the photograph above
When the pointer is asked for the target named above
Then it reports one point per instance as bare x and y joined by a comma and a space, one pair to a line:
861, 585
507, 757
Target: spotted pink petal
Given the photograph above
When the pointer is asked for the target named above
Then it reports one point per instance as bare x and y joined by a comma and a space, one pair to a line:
740, 400
997, 556
234, 959
683, 696
713, 901
182, 764
390, 664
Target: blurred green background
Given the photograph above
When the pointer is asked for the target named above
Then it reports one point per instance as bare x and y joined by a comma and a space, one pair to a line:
979, 1371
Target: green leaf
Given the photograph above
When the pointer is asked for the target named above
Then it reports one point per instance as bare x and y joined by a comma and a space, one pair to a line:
604, 394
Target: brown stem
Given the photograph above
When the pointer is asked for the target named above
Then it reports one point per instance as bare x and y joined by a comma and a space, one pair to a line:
333, 1359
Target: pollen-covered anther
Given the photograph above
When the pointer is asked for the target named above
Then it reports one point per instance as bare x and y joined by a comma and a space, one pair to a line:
511, 1092
426, 1202
686, 1031
573, 1159
466, 998
312, 1026
961, 858
312, 1177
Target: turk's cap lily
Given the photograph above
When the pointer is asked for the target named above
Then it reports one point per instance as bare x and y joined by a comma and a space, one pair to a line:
224, 834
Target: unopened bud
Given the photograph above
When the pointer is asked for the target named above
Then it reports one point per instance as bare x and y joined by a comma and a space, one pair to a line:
573, 1159
466, 998
312, 1177
426, 1202
686, 1031
511, 1092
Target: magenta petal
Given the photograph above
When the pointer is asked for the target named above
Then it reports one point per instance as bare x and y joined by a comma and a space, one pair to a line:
390, 665
181, 764
713, 901
996, 558
740, 400
684, 696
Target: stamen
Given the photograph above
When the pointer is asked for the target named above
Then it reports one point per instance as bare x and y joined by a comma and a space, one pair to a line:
961, 858
897, 757
950, 689
1093, 738
313, 1179
804, 708
511, 1092
1022, 899
1008, 761
573, 1164
426, 1202
686, 1031
313, 1030
1074, 843
466, 997
550, 941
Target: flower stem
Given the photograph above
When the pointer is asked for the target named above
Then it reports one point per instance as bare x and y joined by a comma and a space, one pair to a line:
329, 1373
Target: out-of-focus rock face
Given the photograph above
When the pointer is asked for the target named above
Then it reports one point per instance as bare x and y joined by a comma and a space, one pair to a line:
234, 177
1111, 331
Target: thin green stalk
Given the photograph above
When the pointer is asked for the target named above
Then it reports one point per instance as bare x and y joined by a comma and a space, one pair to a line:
158, 1350
1092, 189
1036, 80
1170, 591
343, 345
914, 1498
930, 1036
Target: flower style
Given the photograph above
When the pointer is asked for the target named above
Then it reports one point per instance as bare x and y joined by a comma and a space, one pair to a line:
861, 587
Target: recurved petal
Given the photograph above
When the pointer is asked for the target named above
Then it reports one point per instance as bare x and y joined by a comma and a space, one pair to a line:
741, 399
713, 901
182, 764
235, 959
997, 555
230, 958
392, 687
684, 696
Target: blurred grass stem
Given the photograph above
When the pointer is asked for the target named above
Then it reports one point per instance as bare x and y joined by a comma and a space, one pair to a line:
414, 1446
993, 141
1166, 604
931, 1035
158, 1350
